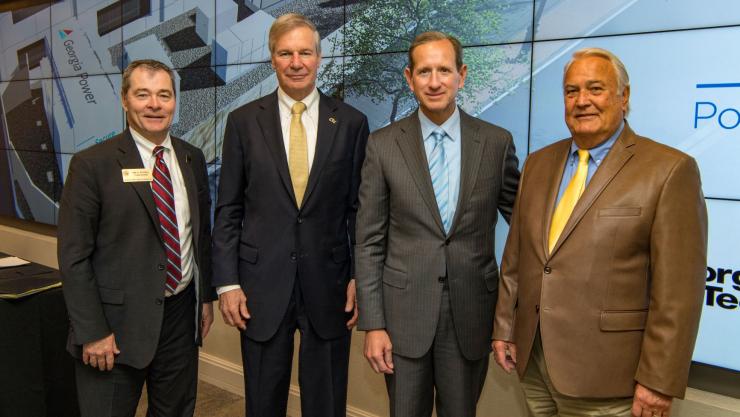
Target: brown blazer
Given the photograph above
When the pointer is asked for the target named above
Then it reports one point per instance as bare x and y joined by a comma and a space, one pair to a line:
619, 298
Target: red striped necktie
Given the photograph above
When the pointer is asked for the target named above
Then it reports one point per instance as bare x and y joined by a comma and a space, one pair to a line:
164, 198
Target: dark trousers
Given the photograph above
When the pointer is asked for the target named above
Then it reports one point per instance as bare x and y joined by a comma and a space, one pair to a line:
322, 368
171, 378
457, 381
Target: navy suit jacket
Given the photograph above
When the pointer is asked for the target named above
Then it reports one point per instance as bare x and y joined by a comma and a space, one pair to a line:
263, 241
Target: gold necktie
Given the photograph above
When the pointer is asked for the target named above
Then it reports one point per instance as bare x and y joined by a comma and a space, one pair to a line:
298, 153
569, 199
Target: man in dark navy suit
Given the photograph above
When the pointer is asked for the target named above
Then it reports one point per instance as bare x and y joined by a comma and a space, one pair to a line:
284, 230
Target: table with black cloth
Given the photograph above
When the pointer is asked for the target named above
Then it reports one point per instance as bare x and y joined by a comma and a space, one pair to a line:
36, 372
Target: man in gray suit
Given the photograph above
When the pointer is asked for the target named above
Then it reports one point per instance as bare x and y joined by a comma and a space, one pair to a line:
426, 271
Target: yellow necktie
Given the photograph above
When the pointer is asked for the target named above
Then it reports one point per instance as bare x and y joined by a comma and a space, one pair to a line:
569, 199
298, 153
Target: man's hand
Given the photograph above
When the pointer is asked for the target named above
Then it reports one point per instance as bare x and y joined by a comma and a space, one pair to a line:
100, 353
351, 305
504, 353
649, 403
379, 351
206, 319
233, 306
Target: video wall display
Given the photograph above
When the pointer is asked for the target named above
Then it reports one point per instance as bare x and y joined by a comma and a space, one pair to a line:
61, 63
685, 103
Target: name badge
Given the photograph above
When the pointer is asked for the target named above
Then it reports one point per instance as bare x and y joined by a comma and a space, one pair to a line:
136, 175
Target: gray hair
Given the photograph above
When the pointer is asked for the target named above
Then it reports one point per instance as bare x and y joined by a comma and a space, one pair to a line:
623, 79
288, 22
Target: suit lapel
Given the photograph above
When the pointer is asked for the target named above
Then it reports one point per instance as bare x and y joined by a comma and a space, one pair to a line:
272, 133
555, 163
412, 148
185, 161
129, 157
613, 163
327, 132
470, 157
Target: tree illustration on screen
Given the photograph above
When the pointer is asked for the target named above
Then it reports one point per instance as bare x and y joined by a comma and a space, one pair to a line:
378, 33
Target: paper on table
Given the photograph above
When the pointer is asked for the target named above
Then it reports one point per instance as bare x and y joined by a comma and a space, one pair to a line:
11, 261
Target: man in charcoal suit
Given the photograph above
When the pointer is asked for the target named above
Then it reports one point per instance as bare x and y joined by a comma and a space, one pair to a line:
134, 252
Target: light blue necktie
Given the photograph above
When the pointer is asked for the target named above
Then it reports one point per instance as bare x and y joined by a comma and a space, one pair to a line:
440, 180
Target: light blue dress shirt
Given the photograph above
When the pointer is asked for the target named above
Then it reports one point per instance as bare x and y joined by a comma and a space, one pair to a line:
452, 146
596, 156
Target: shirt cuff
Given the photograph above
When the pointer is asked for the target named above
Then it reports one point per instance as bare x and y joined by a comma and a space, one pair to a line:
222, 289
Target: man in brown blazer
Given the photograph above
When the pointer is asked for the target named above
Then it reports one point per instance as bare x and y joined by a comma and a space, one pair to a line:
603, 272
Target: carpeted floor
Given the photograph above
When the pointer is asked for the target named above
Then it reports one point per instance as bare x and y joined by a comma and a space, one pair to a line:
212, 402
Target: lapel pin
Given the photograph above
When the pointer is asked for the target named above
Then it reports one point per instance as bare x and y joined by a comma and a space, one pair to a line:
333, 120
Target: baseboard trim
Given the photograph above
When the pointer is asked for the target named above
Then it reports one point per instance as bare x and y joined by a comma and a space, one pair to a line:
221, 373
230, 377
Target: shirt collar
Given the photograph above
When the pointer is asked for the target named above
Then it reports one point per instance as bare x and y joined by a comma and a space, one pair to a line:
146, 145
598, 153
287, 101
451, 126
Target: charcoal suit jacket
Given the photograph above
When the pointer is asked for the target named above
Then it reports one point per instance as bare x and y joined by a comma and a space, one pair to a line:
111, 253
404, 256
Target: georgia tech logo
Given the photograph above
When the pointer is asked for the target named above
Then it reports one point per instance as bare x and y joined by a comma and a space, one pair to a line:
718, 293
64, 33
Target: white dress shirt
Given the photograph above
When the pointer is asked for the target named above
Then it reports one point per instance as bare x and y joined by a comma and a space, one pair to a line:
182, 208
310, 120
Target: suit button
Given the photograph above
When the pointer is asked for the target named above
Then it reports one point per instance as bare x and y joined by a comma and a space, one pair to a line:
300, 220
442, 279
160, 267
447, 242
293, 256
548, 269
537, 308
158, 301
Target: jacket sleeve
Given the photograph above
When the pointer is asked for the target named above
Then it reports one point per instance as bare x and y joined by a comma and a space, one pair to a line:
372, 238
508, 285
204, 245
354, 203
79, 217
229, 212
678, 261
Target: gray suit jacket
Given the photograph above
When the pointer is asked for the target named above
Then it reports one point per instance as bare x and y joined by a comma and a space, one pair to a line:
402, 251
111, 253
